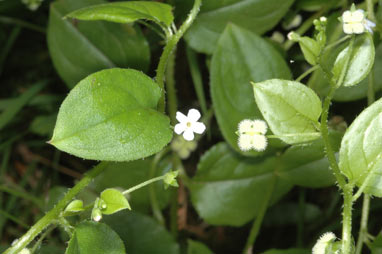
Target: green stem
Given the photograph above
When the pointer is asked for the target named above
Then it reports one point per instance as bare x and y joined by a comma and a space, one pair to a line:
362, 235
22, 23
331, 45
370, 10
136, 187
347, 219
260, 216
153, 199
43, 235
310, 70
54, 214
370, 91
304, 27
171, 44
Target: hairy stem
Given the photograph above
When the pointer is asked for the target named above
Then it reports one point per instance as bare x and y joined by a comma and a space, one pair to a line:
54, 214
260, 216
347, 219
136, 187
172, 40
310, 70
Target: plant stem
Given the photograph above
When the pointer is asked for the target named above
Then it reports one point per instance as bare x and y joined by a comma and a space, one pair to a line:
306, 73
136, 187
331, 45
172, 40
170, 87
363, 228
370, 91
347, 219
260, 216
22, 23
54, 214
370, 10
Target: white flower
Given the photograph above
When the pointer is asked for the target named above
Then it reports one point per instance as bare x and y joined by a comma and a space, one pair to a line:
323, 242
189, 124
323, 19
355, 22
252, 135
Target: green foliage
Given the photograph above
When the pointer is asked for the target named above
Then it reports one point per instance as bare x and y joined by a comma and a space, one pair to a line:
195, 247
361, 61
241, 57
74, 207
111, 115
228, 189
360, 154
141, 234
94, 238
215, 15
80, 48
126, 12
114, 200
290, 108
288, 251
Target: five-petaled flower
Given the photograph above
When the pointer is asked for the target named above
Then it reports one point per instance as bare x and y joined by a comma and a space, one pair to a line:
355, 22
252, 135
322, 244
189, 124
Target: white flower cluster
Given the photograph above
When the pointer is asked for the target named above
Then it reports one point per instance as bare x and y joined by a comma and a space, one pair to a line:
189, 124
323, 242
252, 135
355, 22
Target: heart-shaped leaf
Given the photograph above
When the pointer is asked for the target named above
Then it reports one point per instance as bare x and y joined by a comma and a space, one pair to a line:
290, 108
257, 16
111, 115
95, 238
126, 12
228, 189
240, 57
115, 201
361, 150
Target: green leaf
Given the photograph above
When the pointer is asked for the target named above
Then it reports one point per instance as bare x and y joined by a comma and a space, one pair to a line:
288, 251
228, 189
195, 247
376, 245
241, 57
111, 115
128, 174
95, 238
115, 201
79, 48
361, 61
309, 47
258, 16
306, 165
170, 179
126, 12
74, 207
43, 125
141, 234
361, 153
290, 109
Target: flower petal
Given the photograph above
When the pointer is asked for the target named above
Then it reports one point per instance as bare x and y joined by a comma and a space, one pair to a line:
188, 134
259, 142
244, 142
198, 127
180, 127
260, 126
348, 29
181, 117
346, 17
245, 126
193, 115
358, 28
358, 16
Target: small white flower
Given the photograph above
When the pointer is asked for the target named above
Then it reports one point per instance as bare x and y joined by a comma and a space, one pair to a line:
323, 19
323, 242
355, 22
252, 135
189, 124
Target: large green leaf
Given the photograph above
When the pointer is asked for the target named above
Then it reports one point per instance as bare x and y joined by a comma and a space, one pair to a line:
126, 12
361, 61
228, 189
133, 173
258, 16
306, 165
141, 234
79, 48
95, 238
361, 150
111, 115
290, 108
240, 57
195, 247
